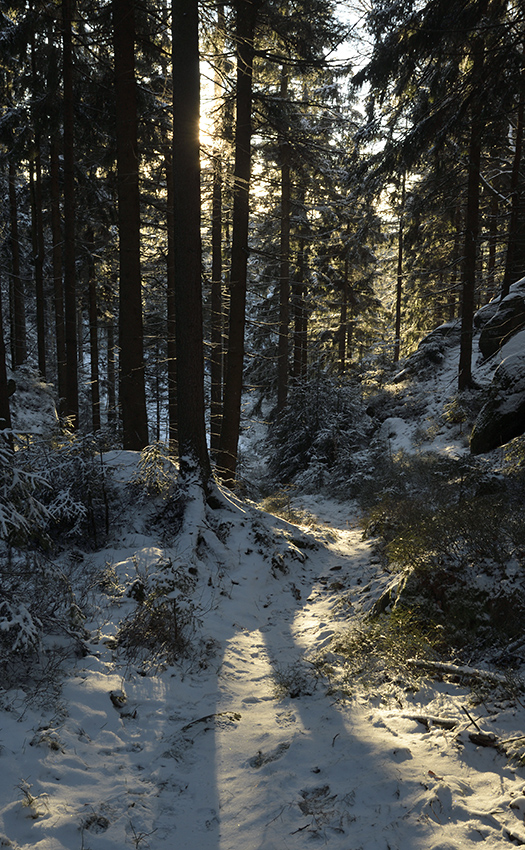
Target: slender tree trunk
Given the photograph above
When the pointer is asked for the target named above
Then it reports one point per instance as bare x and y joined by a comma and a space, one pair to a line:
193, 452
111, 373
246, 11
343, 322
514, 268
470, 252
216, 306
18, 335
493, 240
131, 336
70, 305
5, 413
216, 357
300, 337
284, 273
170, 307
399, 277
58, 290
37, 227
93, 334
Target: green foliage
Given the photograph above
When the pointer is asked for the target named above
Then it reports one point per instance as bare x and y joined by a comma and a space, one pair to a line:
157, 471
380, 646
454, 534
316, 436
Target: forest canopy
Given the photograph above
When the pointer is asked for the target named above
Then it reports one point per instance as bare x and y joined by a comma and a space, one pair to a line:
208, 200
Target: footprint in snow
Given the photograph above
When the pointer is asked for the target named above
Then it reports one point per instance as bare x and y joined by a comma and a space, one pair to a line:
265, 758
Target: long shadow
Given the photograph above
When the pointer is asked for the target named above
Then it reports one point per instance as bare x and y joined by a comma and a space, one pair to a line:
293, 743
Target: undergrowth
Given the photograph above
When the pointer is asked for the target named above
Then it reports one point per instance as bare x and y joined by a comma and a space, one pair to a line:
452, 533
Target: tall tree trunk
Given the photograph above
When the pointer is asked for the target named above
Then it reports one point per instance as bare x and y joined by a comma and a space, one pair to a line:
493, 241
451, 307
170, 306
216, 357
300, 335
216, 306
470, 253
5, 413
399, 276
111, 373
343, 321
246, 15
284, 271
18, 334
131, 336
37, 227
93, 334
193, 451
70, 306
514, 268
58, 290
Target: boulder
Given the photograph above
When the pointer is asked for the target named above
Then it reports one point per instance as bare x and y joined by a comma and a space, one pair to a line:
429, 353
503, 416
498, 325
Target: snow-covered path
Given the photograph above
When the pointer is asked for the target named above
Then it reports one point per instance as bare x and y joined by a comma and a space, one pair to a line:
219, 759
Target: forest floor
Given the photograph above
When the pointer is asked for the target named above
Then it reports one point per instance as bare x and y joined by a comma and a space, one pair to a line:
257, 739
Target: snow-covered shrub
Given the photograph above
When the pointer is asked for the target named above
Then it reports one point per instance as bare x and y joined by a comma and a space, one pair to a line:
318, 433
161, 628
456, 539
38, 611
157, 470
22, 515
73, 484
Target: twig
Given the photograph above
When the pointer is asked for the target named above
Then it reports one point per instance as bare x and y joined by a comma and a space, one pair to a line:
470, 718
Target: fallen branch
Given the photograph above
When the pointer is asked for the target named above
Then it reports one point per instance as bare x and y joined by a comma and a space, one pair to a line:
429, 720
456, 670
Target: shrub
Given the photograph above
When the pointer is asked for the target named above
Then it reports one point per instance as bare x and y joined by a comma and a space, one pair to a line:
317, 434
161, 628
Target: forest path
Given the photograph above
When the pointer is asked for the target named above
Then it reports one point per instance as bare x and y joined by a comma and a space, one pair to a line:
251, 751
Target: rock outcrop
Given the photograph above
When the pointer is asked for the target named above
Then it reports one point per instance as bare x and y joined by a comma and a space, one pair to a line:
503, 416
499, 324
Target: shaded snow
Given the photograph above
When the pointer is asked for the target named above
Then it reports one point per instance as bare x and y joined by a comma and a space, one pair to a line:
243, 747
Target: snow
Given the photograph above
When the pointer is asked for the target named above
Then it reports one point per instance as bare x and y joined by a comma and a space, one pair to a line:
246, 743
248, 748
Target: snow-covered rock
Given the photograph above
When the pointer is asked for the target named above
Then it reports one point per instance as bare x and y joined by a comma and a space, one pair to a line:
504, 321
430, 352
503, 416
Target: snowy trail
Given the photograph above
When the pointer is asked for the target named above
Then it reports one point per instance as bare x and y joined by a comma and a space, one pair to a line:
216, 760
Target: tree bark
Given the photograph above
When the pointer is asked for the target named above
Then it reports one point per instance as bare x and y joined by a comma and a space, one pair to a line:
246, 12
216, 357
284, 272
18, 316
131, 336
70, 305
58, 290
193, 452
93, 335
170, 307
470, 253
399, 276
37, 227
111, 376
514, 264
5, 413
